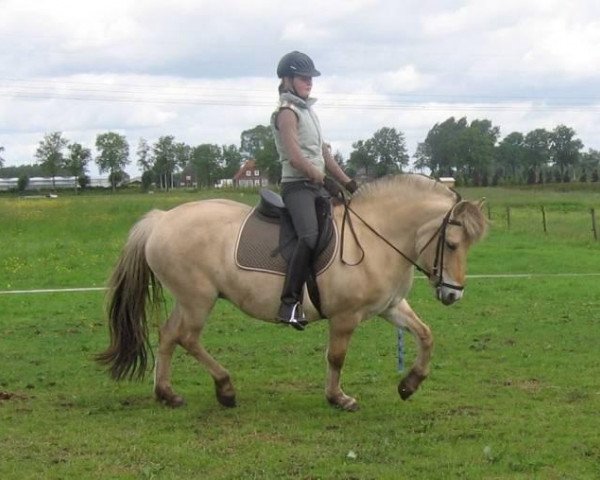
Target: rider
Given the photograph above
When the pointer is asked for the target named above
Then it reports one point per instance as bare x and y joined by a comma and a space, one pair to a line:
304, 160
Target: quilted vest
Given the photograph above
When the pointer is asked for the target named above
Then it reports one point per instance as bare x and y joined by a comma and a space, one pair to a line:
309, 136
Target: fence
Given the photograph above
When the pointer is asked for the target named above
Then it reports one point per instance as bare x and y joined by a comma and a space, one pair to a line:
568, 221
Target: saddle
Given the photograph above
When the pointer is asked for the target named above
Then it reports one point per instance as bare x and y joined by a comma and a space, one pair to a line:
267, 239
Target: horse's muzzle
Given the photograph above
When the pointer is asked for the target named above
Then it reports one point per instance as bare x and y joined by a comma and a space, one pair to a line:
448, 294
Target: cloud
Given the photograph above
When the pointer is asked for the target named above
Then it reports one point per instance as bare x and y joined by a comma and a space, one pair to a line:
204, 71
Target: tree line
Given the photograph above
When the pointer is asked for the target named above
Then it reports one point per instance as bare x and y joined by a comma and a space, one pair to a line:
472, 153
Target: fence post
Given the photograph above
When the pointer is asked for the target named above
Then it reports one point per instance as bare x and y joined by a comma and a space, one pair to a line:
489, 211
544, 219
593, 212
508, 217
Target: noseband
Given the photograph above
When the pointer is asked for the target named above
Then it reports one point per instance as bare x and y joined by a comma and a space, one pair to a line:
438, 263
437, 271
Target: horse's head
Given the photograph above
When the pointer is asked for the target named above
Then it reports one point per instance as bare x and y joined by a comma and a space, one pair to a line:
443, 244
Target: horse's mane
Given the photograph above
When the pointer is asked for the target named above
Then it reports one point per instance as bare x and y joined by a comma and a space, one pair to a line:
408, 186
405, 185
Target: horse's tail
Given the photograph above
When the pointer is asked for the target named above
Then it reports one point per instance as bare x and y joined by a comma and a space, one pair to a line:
131, 285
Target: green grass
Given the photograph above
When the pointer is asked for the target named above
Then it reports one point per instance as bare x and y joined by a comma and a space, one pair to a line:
514, 391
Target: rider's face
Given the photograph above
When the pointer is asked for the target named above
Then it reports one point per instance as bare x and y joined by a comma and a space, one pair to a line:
302, 85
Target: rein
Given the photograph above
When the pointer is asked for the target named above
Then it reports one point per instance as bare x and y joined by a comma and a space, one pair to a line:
438, 264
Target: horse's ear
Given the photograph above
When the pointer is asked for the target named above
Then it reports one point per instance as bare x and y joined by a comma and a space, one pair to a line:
461, 207
470, 214
481, 203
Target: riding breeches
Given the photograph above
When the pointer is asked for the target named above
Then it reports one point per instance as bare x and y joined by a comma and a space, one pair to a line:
300, 200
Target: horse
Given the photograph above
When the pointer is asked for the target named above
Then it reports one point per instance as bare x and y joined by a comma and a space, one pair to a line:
400, 223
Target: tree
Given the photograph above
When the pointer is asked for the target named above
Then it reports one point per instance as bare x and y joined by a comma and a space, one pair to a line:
259, 143
509, 155
590, 164
183, 153
441, 150
76, 161
254, 139
564, 150
144, 158
382, 154
475, 151
536, 145
145, 161
361, 162
388, 148
50, 154
231, 160
205, 159
1, 158
114, 155
165, 160
267, 160
147, 179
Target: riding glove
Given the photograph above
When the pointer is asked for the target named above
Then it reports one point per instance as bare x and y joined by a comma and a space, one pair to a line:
351, 186
332, 187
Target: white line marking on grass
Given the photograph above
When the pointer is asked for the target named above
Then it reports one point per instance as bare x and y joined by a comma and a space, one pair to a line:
52, 290
529, 275
491, 275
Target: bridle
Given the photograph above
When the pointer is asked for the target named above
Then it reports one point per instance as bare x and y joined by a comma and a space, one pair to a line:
437, 271
438, 263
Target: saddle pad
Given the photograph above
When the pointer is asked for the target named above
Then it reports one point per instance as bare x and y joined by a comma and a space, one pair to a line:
258, 242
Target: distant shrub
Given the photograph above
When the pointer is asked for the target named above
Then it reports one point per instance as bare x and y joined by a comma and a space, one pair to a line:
22, 183
83, 181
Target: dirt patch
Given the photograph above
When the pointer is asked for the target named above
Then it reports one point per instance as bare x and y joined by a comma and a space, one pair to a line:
11, 396
532, 385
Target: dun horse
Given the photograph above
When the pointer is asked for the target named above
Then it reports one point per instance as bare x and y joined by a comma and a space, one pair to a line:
400, 223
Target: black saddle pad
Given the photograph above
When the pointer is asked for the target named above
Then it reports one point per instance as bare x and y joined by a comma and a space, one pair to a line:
257, 246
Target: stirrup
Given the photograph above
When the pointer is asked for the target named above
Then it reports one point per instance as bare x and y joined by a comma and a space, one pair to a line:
292, 315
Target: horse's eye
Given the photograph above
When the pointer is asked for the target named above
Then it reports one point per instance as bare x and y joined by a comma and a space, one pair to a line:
451, 246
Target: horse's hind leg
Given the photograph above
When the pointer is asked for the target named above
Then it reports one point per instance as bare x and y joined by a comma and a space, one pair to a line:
184, 328
403, 316
168, 339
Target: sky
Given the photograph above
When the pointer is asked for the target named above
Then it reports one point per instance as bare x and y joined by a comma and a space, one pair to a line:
204, 71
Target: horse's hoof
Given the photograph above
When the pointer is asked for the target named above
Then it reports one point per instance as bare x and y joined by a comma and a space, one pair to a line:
227, 401
347, 404
177, 402
410, 384
174, 401
352, 406
225, 392
404, 391
169, 398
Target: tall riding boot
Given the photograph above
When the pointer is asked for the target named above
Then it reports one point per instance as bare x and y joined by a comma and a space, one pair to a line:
290, 310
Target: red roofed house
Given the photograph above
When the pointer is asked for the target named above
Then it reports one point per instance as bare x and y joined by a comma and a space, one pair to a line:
250, 176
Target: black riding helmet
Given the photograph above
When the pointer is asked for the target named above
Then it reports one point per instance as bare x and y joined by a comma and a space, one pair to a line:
296, 63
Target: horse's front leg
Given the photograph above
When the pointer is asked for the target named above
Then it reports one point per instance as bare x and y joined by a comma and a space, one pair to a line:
401, 315
341, 328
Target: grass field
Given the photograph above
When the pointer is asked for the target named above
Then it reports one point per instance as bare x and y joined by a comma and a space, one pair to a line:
514, 390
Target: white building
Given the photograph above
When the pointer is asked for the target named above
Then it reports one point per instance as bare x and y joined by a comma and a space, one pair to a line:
45, 183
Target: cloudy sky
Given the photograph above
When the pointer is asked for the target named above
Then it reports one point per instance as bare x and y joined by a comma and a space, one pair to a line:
204, 71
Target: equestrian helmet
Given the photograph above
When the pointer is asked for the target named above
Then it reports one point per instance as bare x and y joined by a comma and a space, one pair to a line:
296, 63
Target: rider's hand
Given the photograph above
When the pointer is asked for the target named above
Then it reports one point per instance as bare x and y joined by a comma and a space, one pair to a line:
332, 187
351, 186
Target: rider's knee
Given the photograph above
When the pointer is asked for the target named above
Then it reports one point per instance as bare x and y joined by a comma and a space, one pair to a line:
310, 240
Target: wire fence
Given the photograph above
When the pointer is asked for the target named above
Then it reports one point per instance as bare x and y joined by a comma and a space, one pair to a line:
571, 222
